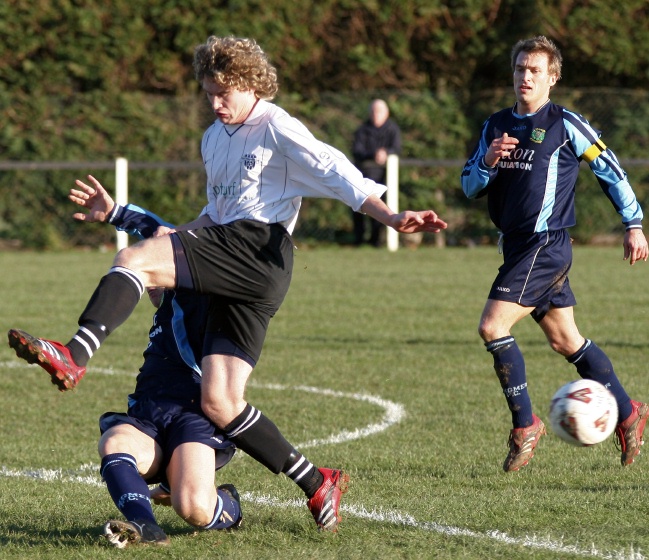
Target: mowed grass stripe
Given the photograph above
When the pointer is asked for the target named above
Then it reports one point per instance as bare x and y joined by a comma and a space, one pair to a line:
398, 326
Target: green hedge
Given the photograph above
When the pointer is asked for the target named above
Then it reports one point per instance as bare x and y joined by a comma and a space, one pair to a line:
92, 80
34, 209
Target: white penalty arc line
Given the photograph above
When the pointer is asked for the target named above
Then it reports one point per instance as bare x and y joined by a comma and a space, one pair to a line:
393, 414
83, 476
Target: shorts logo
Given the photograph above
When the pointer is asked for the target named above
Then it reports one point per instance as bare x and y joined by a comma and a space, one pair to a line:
502, 289
538, 135
249, 161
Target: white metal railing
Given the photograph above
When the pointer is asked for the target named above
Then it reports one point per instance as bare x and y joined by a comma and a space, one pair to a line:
121, 195
392, 197
122, 166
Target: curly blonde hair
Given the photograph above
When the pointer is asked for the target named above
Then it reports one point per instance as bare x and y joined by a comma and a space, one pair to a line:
236, 64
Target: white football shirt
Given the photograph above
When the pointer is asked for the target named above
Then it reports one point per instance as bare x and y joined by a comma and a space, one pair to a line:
261, 169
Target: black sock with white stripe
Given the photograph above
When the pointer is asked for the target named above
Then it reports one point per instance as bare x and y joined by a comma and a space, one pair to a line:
304, 473
111, 304
260, 438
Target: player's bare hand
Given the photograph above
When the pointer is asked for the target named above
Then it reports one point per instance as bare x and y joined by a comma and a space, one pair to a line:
635, 246
155, 295
93, 198
413, 222
160, 496
163, 230
500, 148
381, 156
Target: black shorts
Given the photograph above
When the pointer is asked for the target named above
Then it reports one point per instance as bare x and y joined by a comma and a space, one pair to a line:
535, 272
170, 424
246, 268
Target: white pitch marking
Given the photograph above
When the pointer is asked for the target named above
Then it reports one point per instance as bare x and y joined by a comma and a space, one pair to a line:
49, 475
394, 413
380, 516
397, 518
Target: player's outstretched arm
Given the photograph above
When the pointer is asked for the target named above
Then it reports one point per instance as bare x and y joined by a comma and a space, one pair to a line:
101, 207
95, 199
404, 222
413, 222
635, 246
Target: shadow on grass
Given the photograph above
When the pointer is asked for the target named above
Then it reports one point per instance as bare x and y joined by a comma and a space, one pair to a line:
25, 535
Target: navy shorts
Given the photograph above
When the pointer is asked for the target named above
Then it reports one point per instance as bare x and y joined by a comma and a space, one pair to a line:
535, 272
246, 267
171, 424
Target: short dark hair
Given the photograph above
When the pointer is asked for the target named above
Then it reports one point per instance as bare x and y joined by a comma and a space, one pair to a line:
540, 44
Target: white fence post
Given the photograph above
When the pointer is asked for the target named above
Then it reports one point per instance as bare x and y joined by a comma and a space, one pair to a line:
392, 197
121, 195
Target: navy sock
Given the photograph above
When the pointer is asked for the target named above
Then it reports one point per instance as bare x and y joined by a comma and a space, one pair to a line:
114, 299
592, 363
226, 513
510, 369
126, 487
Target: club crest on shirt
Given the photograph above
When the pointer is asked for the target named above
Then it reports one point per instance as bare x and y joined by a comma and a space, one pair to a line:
249, 161
538, 135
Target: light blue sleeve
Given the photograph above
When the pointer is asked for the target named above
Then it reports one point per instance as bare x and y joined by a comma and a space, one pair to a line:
606, 167
136, 221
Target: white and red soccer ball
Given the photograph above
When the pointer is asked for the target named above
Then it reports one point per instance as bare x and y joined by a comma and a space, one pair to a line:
583, 412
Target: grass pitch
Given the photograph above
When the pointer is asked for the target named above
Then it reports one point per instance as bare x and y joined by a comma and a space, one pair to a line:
373, 364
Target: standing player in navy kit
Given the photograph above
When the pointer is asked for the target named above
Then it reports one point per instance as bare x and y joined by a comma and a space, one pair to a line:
526, 162
259, 162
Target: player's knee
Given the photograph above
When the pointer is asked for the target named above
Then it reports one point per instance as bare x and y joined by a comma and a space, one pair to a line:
214, 410
221, 411
124, 258
486, 331
136, 261
195, 508
135, 256
560, 346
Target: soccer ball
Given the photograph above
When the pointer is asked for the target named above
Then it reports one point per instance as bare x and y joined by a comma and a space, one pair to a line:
583, 412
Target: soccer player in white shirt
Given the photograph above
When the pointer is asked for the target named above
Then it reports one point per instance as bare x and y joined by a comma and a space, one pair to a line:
260, 162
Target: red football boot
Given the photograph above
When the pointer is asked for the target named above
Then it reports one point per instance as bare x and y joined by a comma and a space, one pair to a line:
629, 433
325, 502
522, 442
52, 356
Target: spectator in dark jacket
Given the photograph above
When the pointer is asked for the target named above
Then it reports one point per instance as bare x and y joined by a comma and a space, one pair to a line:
378, 137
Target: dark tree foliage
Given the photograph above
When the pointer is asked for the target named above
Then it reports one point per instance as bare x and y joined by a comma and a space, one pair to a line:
89, 80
